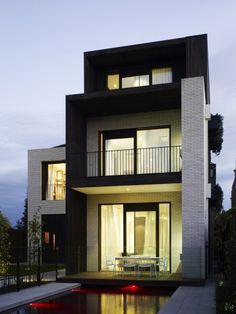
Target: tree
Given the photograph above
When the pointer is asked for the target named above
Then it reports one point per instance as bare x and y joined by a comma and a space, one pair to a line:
216, 132
34, 235
34, 229
4, 243
218, 196
21, 223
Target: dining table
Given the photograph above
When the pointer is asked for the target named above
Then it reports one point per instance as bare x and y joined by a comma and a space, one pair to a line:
137, 263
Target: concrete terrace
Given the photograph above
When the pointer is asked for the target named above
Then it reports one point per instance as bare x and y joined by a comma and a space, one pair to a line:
15, 299
192, 300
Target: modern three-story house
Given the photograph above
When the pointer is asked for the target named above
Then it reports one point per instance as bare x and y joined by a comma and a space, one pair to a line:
137, 157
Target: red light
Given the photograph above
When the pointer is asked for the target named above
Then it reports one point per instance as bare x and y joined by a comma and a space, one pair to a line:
132, 288
48, 305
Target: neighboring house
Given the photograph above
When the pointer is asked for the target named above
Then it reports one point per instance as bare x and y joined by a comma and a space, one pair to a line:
137, 158
46, 196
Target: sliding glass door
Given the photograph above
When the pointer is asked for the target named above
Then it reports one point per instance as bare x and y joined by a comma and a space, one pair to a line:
141, 233
119, 156
135, 229
132, 151
153, 150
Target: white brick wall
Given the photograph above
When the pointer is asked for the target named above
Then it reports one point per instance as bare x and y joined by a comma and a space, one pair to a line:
194, 176
35, 159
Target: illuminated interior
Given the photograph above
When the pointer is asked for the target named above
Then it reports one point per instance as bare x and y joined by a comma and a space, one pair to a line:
158, 76
135, 81
141, 233
162, 76
56, 181
152, 150
113, 81
119, 158
141, 230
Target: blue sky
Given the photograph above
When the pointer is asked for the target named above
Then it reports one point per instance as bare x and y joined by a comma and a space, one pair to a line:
41, 60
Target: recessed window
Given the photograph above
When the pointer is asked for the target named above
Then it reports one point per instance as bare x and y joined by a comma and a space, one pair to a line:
113, 81
135, 81
54, 181
162, 76
46, 237
125, 152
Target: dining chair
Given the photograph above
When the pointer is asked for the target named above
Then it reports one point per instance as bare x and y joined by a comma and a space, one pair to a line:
163, 264
130, 265
145, 265
110, 263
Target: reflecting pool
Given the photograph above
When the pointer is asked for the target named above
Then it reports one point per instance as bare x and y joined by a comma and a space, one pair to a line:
121, 300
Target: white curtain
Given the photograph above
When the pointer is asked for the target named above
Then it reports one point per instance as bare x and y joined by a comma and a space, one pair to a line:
164, 231
55, 189
150, 234
153, 150
161, 75
50, 183
135, 81
112, 232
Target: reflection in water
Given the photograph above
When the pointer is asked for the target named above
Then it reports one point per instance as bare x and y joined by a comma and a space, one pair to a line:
131, 304
126, 300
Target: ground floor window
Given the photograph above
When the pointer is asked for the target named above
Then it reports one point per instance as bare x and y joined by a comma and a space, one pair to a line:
134, 229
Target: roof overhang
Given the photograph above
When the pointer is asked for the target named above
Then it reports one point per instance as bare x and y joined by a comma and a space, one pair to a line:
132, 100
128, 189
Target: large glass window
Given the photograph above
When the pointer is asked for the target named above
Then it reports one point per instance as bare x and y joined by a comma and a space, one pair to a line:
135, 229
111, 233
54, 181
153, 150
135, 81
126, 152
119, 156
162, 75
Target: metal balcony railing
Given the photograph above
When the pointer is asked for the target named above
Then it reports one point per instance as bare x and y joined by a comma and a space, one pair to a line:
134, 161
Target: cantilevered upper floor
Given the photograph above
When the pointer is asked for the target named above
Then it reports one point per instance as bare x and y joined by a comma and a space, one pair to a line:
146, 65
126, 128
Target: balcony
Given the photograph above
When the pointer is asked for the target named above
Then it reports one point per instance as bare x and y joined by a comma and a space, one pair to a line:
128, 162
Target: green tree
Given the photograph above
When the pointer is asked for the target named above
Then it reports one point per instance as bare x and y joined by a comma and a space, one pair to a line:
34, 229
216, 131
4, 243
21, 223
218, 196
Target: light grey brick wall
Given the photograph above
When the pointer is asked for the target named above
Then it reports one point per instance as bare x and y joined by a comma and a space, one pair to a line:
35, 159
194, 176
134, 120
94, 201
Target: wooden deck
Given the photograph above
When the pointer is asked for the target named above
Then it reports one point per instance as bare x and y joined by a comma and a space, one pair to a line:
110, 278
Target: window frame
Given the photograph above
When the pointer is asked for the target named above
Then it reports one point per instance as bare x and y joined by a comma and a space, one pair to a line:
127, 207
124, 73
125, 133
44, 176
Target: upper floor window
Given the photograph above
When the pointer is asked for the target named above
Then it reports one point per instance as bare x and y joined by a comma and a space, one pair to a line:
54, 181
161, 76
135, 81
153, 77
113, 81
